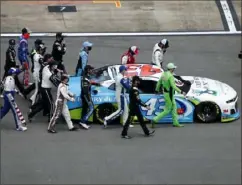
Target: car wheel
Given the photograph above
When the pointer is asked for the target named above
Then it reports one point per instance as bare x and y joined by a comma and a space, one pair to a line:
207, 112
104, 110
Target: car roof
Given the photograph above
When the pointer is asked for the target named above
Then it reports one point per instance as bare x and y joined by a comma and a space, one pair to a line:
142, 70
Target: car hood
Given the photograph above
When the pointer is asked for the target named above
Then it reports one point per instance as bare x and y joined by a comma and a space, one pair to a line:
201, 85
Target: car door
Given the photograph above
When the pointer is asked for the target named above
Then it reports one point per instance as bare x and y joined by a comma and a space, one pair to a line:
157, 103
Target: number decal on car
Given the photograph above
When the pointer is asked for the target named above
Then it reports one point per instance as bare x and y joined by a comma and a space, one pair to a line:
141, 70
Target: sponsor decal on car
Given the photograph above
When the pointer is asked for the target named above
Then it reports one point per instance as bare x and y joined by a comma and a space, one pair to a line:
200, 92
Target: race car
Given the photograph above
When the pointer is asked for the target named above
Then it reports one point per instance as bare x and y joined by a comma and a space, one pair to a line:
206, 101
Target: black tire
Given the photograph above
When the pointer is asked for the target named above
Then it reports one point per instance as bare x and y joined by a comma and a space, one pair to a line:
207, 112
104, 110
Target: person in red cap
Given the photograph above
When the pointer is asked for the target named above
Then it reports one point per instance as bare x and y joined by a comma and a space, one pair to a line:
23, 53
129, 56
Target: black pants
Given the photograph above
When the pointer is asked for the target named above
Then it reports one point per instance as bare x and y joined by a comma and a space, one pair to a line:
48, 101
61, 66
29, 89
87, 109
135, 112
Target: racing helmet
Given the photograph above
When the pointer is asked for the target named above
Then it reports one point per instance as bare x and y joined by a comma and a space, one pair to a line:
165, 43
13, 71
12, 42
134, 50
171, 66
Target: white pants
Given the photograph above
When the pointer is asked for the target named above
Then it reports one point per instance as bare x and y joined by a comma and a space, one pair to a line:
36, 81
122, 110
61, 108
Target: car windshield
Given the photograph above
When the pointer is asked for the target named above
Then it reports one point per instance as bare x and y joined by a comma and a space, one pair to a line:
100, 74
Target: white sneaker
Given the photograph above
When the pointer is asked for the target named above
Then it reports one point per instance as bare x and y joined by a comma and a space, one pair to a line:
84, 125
105, 123
21, 128
1, 96
131, 126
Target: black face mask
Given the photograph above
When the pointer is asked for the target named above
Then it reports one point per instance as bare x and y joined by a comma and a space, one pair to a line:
11, 46
89, 48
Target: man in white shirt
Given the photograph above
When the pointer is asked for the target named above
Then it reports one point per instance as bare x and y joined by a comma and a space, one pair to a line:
159, 51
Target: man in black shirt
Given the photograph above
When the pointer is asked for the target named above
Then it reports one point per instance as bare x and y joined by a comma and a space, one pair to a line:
87, 104
59, 49
134, 109
11, 62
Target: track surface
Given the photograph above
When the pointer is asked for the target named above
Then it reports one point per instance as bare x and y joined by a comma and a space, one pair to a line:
195, 154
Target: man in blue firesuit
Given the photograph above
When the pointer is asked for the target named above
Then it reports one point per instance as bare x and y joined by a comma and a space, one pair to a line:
23, 53
83, 58
9, 100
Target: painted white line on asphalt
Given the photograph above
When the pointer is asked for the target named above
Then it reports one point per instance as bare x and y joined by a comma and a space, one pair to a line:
127, 34
228, 15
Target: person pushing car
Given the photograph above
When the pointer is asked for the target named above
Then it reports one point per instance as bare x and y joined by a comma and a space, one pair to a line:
134, 109
167, 81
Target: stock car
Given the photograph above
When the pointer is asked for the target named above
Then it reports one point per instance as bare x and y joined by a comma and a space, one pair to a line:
206, 101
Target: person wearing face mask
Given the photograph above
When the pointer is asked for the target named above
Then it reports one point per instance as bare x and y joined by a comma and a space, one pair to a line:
134, 109
87, 104
11, 62
49, 80
59, 50
61, 107
83, 57
159, 51
167, 82
9, 100
129, 56
38, 62
23, 53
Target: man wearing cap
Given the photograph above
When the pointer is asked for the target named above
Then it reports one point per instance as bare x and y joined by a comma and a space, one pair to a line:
122, 85
59, 50
129, 56
9, 100
134, 109
11, 62
60, 105
23, 53
159, 51
83, 57
167, 82
87, 104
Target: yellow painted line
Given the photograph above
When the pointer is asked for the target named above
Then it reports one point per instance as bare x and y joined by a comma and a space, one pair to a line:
117, 3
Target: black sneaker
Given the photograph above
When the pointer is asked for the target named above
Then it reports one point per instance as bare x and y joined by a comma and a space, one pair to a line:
74, 129
52, 131
29, 118
126, 137
151, 133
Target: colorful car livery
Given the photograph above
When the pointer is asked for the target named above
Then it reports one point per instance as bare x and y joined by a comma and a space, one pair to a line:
206, 101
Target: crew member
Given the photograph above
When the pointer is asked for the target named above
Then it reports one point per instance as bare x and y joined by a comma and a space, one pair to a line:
49, 79
134, 109
167, 82
38, 62
83, 57
23, 53
59, 50
60, 105
11, 62
159, 51
87, 104
9, 100
129, 56
122, 85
